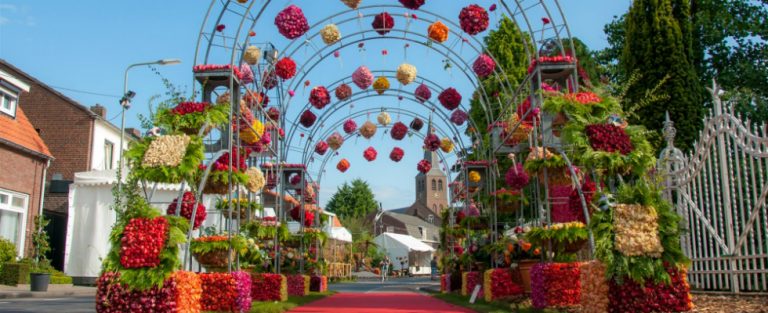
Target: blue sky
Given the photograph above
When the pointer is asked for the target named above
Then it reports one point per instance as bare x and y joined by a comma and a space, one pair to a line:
82, 48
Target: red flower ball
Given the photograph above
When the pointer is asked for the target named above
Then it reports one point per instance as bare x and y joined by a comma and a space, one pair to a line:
343, 165
473, 19
458, 117
142, 242
187, 205
417, 124
424, 166
516, 177
450, 99
423, 93
321, 147
523, 108
319, 97
309, 216
383, 23
273, 113
291, 22
370, 154
399, 130
396, 154
432, 142
307, 119
285, 68
343, 92
350, 126
190, 107
269, 80
484, 66
412, 4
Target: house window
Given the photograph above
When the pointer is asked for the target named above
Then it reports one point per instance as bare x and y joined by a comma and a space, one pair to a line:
13, 218
7, 102
434, 185
423, 232
109, 155
431, 218
440, 184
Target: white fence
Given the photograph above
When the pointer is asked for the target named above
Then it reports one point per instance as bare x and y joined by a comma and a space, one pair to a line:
720, 189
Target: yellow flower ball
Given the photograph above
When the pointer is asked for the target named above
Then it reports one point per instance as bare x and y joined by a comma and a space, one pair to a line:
474, 177
381, 85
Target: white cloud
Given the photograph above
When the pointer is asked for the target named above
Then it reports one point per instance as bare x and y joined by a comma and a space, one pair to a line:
9, 7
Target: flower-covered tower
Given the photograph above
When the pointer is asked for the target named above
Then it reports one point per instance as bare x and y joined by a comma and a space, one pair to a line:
432, 186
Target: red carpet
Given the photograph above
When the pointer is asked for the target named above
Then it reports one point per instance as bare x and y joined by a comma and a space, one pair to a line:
379, 303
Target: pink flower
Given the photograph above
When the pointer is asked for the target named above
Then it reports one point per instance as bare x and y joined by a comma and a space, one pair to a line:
492, 8
423, 93
473, 19
459, 117
321, 147
291, 22
319, 97
432, 142
362, 77
484, 66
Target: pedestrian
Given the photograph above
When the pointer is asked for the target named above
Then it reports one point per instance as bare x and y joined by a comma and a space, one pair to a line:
433, 265
384, 264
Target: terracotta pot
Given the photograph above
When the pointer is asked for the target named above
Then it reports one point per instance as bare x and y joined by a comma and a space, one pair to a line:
215, 261
524, 267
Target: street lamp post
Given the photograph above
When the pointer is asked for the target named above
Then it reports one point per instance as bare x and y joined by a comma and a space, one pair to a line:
125, 103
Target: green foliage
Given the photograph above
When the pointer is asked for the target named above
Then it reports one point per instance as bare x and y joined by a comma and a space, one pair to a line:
214, 115
222, 177
40, 240
537, 165
145, 278
164, 174
589, 70
237, 243
15, 273
172, 95
353, 200
7, 251
61, 280
639, 268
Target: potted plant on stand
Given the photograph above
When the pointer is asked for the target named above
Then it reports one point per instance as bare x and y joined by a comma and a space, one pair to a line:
39, 278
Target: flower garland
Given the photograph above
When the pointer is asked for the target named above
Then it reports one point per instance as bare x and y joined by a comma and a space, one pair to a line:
432, 142
450, 99
256, 180
473, 19
187, 205
383, 23
555, 285
458, 117
142, 241
498, 284
406, 73
368, 129
321, 147
269, 287
307, 119
412, 4
330, 34
594, 288
335, 141
285, 68
396, 154
384, 119
362, 77
609, 138
424, 166
446, 145
417, 124
636, 229
291, 22
350, 126
319, 97
381, 85
370, 154
399, 130
343, 92
438, 32
423, 93
484, 66
516, 177
343, 165
252, 55
558, 59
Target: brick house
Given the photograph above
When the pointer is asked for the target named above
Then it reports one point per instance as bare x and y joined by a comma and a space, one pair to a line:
24, 158
81, 138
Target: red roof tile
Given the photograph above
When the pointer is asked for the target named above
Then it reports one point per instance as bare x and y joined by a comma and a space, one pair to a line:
20, 131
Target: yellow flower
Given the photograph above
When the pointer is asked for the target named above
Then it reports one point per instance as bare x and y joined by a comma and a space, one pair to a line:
474, 177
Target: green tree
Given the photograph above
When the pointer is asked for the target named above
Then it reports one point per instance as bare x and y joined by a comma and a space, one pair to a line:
353, 200
656, 48
588, 67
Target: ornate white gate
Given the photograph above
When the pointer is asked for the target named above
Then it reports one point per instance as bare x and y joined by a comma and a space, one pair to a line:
720, 189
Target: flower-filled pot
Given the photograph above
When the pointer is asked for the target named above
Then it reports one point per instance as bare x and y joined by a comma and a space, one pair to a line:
216, 252
516, 132
507, 201
190, 117
565, 238
246, 210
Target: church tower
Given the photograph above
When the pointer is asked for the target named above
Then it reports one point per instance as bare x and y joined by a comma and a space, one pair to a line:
432, 187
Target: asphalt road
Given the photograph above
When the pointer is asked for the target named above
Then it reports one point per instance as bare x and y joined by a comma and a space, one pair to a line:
394, 285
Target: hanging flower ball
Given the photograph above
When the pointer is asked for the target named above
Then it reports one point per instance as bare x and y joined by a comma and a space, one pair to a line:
458, 117
399, 130
424, 166
474, 19
423, 93
406, 73
343, 165
362, 77
516, 177
352, 4
484, 66
220, 27
383, 23
350, 126
308, 119
256, 179
384, 119
330, 34
273, 113
396, 154
523, 108
450, 99
368, 129
492, 7
474, 177
285, 68
269, 80
446, 145
188, 204
335, 141
291, 22
417, 124
321, 147
319, 97
412, 4
438, 32
252, 55
343, 92
370, 154
432, 142
384, 52
381, 85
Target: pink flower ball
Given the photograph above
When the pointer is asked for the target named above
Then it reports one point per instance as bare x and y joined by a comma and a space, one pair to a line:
362, 77
319, 97
350, 126
516, 177
459, 117
423, 93
484, 66
473, 19
450, 99
291, 22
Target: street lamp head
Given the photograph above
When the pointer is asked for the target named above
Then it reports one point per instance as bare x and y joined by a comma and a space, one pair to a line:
168, 61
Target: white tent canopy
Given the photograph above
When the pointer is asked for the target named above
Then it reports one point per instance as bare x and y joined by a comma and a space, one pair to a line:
401, 246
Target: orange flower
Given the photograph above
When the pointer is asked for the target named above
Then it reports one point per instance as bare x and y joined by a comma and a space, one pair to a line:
525, 245
438, 32
536, 251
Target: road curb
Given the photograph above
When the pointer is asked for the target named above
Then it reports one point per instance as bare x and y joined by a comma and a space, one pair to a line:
30, 294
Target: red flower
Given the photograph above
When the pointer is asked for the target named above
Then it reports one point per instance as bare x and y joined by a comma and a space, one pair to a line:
458, 117
524, 108
545, 20
309, 216
424, 166
269, 80
291, 22
219, 292
321, 147
350, 126
285, 68
484, 66
142, 242
423, 93
187, 205
516, 177
296, 285
432, 142
267, 287
450, 99
307, 119
412, 4
555, 284
396, 154
417, 124
370, 154
190, 107
473, 19
319, 97
609, 138
399, 130
383, 23
273, 113
343, 92
220, 27
343, 165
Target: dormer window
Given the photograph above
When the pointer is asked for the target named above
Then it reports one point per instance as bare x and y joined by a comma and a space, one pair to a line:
8, 101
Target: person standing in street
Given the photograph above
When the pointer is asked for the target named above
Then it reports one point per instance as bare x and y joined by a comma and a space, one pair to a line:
433, 265
384, 264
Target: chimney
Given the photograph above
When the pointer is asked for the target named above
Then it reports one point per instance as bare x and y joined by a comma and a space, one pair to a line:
133, 131
99, 110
